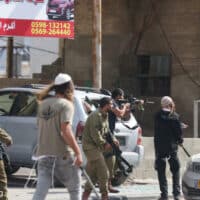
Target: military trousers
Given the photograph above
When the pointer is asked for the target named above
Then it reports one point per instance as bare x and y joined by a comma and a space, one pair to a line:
98, 172
110, 159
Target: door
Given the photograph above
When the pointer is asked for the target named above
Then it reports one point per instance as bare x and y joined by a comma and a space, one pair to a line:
19, 119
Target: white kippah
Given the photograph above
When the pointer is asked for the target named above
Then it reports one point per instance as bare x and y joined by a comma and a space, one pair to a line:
62, 78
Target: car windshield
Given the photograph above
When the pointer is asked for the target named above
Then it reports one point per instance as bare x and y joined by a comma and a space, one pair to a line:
18, 103
24, 103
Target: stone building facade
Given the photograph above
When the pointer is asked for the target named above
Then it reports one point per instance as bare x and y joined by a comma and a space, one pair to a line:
150, 48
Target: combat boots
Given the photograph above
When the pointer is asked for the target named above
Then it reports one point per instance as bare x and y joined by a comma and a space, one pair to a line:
104, 196
86, 195
110, 188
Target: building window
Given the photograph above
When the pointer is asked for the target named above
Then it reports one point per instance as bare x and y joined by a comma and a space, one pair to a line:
154, 74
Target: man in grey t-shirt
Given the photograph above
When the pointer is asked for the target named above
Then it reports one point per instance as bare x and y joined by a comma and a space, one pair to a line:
57, 150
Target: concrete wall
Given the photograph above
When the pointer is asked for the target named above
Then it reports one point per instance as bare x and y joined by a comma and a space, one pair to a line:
171, 27
146, 168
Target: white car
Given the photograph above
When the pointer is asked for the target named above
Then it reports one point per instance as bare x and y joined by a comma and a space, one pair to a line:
18, 108
191, 179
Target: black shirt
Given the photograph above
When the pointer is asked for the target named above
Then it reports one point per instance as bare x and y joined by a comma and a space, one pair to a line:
167, 132
112, 118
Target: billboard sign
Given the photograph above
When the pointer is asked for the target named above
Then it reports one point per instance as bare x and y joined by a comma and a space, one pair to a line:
37, 18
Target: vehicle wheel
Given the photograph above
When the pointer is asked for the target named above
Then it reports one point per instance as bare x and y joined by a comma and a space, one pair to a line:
119, 178
12, 170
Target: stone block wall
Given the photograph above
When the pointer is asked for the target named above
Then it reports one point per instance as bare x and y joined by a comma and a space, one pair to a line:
146, 168
169, 27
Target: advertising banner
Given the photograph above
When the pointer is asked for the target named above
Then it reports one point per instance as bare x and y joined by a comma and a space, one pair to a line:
37, 18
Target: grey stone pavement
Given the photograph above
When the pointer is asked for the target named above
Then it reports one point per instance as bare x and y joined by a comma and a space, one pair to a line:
142, 185
140, 190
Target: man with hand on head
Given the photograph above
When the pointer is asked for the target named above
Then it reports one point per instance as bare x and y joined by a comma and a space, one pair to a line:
58, 153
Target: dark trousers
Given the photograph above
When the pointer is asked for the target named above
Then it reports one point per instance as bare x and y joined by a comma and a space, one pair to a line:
174, 164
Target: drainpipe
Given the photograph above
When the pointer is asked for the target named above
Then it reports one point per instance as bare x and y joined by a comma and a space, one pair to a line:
97, 44
9, 67
63, 54
196, 118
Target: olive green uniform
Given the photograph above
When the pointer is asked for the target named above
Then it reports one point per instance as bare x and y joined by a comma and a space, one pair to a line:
93, 142
4, 138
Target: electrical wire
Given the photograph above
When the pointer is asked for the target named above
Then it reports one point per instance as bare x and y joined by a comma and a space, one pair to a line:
170, 46
145, 26
35, 48
147, 22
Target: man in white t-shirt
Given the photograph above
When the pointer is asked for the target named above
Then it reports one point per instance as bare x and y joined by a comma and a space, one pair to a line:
57, 150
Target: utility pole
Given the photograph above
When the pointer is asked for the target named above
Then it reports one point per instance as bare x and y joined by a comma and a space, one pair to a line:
63, 54
9, 68
97, 44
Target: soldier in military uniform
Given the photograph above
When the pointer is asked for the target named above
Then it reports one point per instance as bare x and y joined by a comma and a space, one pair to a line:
4, 138
94, 145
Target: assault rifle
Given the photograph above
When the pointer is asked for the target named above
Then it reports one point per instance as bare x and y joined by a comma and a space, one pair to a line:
185, 150
134, 102
121, 162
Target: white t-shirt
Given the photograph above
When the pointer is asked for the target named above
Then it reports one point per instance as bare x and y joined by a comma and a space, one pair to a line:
52, 112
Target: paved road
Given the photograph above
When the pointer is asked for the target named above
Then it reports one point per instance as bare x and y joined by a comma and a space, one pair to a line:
134, 190
61, 194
